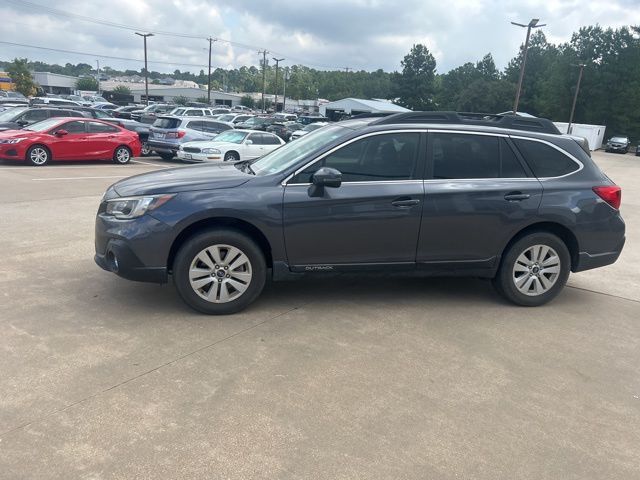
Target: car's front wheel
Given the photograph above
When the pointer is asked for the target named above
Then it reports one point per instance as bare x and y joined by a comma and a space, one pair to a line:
231, 157
38, 155
219, 271
534, 269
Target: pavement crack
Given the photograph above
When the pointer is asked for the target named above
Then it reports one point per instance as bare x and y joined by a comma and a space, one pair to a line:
604, 293
154, 369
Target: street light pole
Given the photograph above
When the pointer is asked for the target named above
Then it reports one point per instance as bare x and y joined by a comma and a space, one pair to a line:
532, 24
285, 77
98, 63
277, 60
146, 70
211, 40
575, 96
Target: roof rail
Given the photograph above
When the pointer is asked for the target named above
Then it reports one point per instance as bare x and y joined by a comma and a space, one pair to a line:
530, 124
371, 115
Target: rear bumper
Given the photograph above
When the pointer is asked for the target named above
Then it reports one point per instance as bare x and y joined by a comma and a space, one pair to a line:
587, 261
163, 147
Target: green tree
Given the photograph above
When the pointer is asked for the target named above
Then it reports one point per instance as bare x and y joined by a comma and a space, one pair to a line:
247, 101
87, 83
416, 83
203, 99
19, 72
180, 100
122, 90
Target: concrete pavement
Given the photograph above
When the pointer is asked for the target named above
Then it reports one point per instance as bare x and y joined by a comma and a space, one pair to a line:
348, 377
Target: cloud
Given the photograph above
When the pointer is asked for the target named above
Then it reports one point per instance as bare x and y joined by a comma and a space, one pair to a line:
360, 34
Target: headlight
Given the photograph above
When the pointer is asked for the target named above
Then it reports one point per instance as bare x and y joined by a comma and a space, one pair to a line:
12, 140
210, 150
133, 207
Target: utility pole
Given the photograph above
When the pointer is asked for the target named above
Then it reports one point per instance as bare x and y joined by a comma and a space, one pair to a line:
277, 60
346, 69
98, 77
532, 24
264, 73
146, 70
285, 77
211, 40
575, 96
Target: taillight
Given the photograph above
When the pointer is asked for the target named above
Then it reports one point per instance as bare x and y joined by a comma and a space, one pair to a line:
178, 134
612, 194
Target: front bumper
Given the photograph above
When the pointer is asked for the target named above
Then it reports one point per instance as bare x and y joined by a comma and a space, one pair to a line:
199, 157
617, 148
135, 249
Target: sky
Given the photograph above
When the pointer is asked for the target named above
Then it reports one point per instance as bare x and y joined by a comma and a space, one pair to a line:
326, 34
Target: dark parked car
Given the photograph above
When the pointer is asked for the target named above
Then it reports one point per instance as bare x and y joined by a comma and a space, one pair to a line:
618, 143
92, 112
142, 129
284, 130
256, 123
125, 112
500, 197
149, 113
20, 117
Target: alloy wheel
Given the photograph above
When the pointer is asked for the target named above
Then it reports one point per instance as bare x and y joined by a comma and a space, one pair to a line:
536, 270
220, 273
39, 156
122, 155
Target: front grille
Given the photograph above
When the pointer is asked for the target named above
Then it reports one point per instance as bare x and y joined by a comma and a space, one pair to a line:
191, 149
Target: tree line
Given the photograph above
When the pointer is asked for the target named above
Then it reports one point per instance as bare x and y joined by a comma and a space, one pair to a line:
609, 92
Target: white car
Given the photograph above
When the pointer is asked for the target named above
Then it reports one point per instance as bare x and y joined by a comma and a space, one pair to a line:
309, 128
230, 146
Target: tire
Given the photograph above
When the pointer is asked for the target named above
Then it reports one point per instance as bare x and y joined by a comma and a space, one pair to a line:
166, 156
38, 155
197, 260
231, 157
145, 151
122, 155
531, 287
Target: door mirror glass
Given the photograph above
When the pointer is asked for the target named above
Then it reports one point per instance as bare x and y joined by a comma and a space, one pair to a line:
61, 133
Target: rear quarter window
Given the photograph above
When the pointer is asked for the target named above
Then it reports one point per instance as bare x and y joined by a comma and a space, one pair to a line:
544, 160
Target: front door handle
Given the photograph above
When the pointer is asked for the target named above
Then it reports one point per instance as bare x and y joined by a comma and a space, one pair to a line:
516, 196
405, 202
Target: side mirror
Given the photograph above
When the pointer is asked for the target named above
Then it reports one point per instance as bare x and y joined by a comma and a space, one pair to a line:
61, 133
249, 142
22, 123
324, 177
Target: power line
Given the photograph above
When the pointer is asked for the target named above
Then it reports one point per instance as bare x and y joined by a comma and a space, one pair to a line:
111, 57
44, 9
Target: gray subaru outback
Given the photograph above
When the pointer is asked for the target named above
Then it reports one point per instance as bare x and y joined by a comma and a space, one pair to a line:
500, 197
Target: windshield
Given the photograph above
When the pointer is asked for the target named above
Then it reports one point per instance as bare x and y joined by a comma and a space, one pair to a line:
312, 126
619, 139
287, 155
9, 115
226, 118
43, 125
231, 136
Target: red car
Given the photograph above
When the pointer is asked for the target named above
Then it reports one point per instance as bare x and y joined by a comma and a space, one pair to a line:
69, 139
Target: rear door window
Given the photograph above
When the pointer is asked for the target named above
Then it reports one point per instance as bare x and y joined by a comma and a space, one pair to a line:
467, 156
544, 160
97, 127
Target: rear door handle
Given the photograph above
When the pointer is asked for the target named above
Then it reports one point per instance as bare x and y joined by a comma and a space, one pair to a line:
405, 202
516, 196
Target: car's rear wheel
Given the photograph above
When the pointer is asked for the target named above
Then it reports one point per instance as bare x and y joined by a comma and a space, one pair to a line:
219, 271
166, 156
231, 157
534, 269
122, 155
38, 155
145, 151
